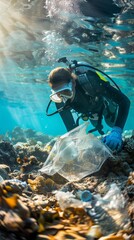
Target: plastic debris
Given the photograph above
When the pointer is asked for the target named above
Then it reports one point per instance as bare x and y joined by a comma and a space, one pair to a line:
113, 199
1, 179
76, 154
84, 196
109, 211
67, 199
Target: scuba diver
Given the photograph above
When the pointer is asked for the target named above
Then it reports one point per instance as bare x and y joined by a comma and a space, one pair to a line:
87, 90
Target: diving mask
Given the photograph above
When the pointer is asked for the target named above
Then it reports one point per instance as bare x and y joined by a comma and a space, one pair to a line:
62, 94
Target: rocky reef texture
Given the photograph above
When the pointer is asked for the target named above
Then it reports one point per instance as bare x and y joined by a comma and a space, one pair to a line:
29, 208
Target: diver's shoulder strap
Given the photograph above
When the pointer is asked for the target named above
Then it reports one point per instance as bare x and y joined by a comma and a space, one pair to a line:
86, 84
89, 83
92, 83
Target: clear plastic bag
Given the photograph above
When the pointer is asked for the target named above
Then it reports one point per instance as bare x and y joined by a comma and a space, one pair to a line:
1, 179
67, 199
76, 154
113, 199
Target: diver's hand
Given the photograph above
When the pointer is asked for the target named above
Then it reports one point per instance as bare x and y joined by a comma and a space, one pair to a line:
114, 139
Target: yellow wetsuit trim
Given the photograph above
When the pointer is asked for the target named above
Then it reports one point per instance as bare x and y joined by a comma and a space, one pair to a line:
101, 76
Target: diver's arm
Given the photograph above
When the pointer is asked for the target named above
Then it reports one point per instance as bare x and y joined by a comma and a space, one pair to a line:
102, 87
123, 103
67, 117
114, 139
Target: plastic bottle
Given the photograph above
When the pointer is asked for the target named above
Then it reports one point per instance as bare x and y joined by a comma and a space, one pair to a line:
84, 196
109, 211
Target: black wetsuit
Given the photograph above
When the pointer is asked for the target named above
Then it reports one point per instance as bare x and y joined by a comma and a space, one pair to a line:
93, 99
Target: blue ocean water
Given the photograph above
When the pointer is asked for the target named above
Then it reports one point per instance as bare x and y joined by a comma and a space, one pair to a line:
35, 34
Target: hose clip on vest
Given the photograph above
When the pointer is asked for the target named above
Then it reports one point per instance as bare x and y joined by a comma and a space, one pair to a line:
65, 60
91, 116
84, 117
73, 64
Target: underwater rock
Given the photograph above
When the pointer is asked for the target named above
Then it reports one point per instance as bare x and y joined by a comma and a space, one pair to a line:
4, 171
13, 186
28, 164
27, 150
29, 136
42, 185
17, 135
12, 221
7, 153
129, 145
5, 167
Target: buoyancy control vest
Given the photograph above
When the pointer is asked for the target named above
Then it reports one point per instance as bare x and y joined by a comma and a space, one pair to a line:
90, 83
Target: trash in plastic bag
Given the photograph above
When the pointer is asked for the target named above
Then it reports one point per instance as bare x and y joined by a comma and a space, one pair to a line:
76, 154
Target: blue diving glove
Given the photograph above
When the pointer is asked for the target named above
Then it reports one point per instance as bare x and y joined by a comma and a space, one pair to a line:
114, 139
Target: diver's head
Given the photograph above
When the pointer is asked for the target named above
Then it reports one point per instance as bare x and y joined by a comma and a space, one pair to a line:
62, 82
